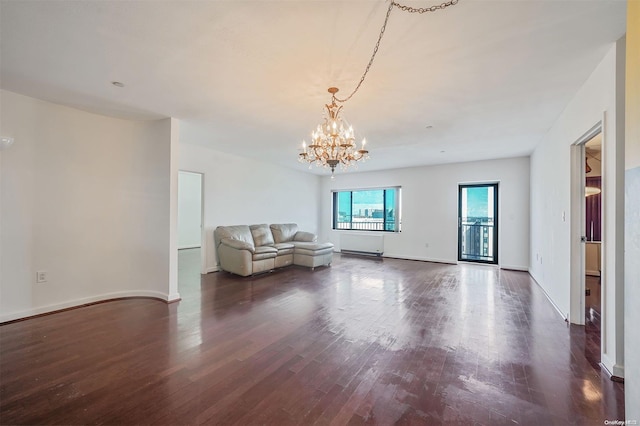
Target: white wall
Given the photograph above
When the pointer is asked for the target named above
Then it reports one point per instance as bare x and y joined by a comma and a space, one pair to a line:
551, 200
85, 198
189, 209
632, 216
430, 208
240, 191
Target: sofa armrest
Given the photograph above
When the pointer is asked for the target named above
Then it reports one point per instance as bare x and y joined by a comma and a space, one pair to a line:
237, 244
303, 236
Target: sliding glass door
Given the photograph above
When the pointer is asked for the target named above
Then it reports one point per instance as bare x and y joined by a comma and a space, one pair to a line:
478, 223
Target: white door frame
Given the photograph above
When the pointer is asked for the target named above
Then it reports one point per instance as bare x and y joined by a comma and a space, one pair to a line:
203, 238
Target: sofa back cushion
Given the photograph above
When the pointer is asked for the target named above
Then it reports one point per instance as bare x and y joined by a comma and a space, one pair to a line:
284, 232
236, 232
307, 237
261, 235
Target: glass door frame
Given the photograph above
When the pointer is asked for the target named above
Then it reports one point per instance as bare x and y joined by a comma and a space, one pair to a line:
495, 186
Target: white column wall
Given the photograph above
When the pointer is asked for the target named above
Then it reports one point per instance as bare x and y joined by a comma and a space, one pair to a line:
172, 133
241, 191
632, 216
430, 208
597, 100
85, 198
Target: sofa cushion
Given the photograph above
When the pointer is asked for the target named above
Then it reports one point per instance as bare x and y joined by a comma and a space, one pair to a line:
261, 235
236, 232
264, 252
305, 236
284, 232
313, 249
284, 248
237, 244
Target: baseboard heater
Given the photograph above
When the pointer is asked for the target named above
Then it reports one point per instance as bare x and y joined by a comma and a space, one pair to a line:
372, 245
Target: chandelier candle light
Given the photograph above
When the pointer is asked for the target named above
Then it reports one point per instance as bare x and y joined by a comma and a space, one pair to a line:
333, 142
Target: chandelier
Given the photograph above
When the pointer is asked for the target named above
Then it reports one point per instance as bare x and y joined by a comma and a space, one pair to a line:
333, 142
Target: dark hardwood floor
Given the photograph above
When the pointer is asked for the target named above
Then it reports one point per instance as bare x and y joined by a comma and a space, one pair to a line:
592, 341
364, 341
593, 299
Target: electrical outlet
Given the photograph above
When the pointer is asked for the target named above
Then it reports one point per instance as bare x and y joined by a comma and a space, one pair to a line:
41, 276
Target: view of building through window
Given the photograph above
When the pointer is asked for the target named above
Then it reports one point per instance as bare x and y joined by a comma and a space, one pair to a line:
477, 238
367, 210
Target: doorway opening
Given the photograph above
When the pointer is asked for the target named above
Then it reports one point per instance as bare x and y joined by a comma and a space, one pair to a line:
190, 226
587, 286
593, 230
478, 223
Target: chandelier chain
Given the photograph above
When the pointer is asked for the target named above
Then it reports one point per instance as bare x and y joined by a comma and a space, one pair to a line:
425, 9
404, 8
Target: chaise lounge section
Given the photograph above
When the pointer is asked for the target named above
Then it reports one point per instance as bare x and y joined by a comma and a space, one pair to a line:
251, 249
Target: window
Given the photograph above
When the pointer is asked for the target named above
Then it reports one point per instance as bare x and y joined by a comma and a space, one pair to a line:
367, 210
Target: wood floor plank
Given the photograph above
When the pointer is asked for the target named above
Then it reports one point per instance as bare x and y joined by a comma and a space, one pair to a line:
362, 342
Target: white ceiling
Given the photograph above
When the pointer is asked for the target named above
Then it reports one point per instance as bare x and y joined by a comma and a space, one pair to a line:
251, 77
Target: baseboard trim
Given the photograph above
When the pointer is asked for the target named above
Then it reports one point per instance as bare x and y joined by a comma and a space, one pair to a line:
618, 373
514, 268
87, 301
173, 298
562, 315
212, 269
418, 258
613, 370
612, 377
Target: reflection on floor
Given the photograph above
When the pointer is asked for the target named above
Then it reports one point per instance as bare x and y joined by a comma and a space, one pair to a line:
587, 338
189, 270
592, 301
360, 342
592, 335
592, 320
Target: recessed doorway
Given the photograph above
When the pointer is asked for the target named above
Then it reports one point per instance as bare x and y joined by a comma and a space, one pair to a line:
593, 225
593, 247
190, 225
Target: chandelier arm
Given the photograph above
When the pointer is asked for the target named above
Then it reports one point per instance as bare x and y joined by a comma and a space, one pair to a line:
333, 143
382, 30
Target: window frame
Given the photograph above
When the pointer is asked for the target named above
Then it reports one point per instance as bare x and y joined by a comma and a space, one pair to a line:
397, 228
496, 216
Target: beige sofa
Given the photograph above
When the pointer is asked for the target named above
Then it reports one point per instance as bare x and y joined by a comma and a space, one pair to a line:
250, 249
